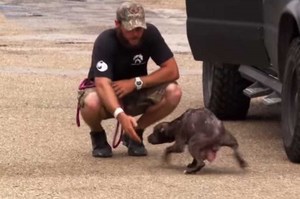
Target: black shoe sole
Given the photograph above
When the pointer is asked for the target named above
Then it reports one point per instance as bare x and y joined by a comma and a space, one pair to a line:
102, 153
132, 153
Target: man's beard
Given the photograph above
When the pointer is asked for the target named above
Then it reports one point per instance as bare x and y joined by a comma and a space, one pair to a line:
125, 42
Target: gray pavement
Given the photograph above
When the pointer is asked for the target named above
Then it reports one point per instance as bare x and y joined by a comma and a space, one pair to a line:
45, 155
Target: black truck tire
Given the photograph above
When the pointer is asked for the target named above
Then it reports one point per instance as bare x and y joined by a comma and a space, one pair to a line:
223, 91
290, 110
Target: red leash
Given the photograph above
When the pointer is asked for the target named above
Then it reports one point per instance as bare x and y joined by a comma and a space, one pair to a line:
84, 84
117, 131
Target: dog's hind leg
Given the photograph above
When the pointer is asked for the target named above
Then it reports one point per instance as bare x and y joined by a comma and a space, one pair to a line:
229, 140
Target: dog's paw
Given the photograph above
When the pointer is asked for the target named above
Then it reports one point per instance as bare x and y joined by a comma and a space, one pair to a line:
244, 164
193, 168
192, 164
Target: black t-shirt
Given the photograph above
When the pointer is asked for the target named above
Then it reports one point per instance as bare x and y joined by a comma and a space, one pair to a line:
115, 61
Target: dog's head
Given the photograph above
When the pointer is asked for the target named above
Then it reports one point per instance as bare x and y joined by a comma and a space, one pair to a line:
161, 134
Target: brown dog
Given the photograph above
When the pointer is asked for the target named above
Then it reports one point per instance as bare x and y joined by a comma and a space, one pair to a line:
202, 131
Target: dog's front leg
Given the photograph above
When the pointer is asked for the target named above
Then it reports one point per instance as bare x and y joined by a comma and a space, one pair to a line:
177, 147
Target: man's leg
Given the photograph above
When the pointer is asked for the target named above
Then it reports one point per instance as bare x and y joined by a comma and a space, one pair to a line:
164, 107
92, 113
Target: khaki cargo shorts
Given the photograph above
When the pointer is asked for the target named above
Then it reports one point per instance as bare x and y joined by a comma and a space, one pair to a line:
134, 103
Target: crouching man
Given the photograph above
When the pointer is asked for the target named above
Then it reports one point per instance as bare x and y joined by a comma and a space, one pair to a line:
118, 84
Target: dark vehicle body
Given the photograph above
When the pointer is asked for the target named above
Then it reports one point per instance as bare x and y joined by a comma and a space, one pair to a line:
249, 48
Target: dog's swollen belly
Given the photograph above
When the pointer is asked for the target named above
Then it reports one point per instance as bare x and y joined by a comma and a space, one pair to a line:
210, 155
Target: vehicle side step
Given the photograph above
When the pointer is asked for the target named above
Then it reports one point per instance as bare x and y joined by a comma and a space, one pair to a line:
255, 75
256, 90
272, 99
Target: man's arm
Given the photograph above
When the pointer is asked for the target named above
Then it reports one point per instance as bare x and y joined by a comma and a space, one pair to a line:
168, 72
106, 93
109, 100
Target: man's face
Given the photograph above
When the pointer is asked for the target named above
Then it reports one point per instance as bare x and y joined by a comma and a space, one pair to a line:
131, 38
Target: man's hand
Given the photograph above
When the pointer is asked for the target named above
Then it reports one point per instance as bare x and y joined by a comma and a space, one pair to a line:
123, 87
128, 124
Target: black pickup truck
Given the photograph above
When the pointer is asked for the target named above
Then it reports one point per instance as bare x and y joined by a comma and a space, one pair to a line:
249, 48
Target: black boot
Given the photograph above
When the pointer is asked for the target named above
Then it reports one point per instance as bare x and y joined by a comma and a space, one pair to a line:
101, 148
135, 148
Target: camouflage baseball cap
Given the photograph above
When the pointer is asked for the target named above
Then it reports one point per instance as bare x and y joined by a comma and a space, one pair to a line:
131, 15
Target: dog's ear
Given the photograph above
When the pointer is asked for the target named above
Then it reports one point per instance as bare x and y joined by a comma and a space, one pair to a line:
163, 127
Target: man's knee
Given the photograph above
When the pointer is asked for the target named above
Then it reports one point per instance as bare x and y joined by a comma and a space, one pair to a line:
173, 93
93, 107
92, 102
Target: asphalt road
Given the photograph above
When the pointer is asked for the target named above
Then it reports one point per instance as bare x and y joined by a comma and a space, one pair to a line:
45, 51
